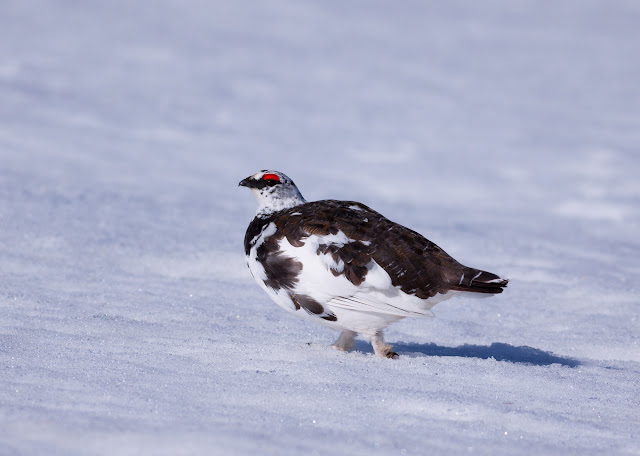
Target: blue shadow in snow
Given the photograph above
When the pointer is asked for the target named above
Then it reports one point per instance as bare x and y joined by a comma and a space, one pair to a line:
497, 351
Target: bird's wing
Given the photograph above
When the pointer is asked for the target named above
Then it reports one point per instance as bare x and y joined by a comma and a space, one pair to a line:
414, 264
366, 302
386, 267
371, 252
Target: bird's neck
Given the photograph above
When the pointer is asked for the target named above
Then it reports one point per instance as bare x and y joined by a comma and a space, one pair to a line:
268, 206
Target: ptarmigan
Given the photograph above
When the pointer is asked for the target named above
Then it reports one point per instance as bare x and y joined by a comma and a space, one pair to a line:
343, 264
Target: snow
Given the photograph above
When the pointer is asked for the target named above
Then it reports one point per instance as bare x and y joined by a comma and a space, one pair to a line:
506, 132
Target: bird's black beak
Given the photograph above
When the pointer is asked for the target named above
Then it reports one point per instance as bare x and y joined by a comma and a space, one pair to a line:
245, 182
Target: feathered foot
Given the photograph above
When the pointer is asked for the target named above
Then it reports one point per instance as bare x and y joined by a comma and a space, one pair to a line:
380, 348
345, 341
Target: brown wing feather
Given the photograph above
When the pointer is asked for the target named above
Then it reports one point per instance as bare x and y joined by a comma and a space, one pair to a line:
415, 264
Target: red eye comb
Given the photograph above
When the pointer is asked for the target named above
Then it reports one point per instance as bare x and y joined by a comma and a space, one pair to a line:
271, 177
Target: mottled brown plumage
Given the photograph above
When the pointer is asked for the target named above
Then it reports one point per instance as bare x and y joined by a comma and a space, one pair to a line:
415, 264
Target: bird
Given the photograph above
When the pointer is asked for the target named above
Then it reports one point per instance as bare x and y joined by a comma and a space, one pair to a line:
342, 264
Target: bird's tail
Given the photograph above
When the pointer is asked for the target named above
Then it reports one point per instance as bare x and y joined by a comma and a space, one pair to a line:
477, 281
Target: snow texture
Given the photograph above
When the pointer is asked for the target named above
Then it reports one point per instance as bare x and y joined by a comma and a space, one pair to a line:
504, 131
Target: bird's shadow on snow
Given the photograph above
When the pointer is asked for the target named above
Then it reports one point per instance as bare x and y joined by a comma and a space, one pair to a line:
497, 351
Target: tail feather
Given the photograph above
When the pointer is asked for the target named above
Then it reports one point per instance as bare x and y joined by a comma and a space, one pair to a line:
477, 281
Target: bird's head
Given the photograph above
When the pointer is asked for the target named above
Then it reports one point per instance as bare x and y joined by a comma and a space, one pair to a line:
274, 190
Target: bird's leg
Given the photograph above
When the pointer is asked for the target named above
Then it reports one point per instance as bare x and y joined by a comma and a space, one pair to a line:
380, 348
345, 341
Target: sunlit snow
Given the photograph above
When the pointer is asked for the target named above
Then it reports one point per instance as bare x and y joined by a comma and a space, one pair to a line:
506, 132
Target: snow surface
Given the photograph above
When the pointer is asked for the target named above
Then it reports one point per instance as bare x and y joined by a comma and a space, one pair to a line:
505, 131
